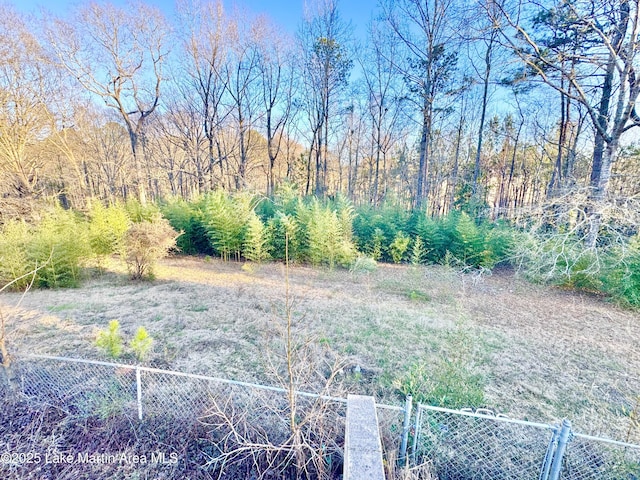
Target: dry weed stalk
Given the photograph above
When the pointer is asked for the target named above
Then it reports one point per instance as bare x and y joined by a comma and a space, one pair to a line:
563, 230
423, 471
5, 357
634, 420
393, 470
292, 435
253, 434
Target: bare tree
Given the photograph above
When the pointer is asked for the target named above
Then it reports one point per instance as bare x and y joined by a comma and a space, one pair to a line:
600, 74
385, 98
277, 81
327, 63
106, 165
425, 32
486, 35
241, 74
182, 143
207, 40
25, 119
117, 54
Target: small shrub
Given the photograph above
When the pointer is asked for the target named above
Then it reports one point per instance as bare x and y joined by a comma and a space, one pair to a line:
107, 227
141, 343
451, 380
363, 264
417, 251
146, 243
418, 296
377, 240
110, 340
399, 247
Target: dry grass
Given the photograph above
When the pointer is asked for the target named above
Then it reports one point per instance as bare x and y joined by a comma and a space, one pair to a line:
545, 353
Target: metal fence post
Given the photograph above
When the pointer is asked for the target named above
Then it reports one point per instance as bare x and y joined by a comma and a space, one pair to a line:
405, 430
139, 386
563, 438
548, 456
416, 433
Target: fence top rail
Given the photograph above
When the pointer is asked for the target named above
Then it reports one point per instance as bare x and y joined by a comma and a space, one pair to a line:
504, 419
389, 407
496, 418
607, 440
203, 377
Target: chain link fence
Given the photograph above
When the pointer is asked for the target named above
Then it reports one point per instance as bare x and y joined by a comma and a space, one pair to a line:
456, 445
468, 444
246, 426
106, 389
589, 458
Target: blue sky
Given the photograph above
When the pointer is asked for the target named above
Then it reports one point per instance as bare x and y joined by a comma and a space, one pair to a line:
287, 13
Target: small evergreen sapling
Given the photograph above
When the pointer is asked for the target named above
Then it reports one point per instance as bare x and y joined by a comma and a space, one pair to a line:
110, 340
141, 343
417, 251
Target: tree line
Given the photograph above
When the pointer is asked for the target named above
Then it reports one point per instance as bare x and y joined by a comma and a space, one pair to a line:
493, 104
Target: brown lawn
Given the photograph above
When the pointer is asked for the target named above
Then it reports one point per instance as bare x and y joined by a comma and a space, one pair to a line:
544, 353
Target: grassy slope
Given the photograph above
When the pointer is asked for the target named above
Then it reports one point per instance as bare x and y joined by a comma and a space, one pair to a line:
545, 353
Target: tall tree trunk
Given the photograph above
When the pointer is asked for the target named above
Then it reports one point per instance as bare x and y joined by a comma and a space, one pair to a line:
599, 192
318, 155
453, 183
423, 164
271, 158
376, 175
602, 157
137, 180
212, 160
483, 114
556, 181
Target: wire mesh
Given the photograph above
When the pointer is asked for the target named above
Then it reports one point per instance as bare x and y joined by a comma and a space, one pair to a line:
248, 426
103, 388
588, 458
173, 395
82, 388
390, 422
467, 446
457, 445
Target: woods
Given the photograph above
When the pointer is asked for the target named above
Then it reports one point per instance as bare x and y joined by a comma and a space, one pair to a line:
443, 104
